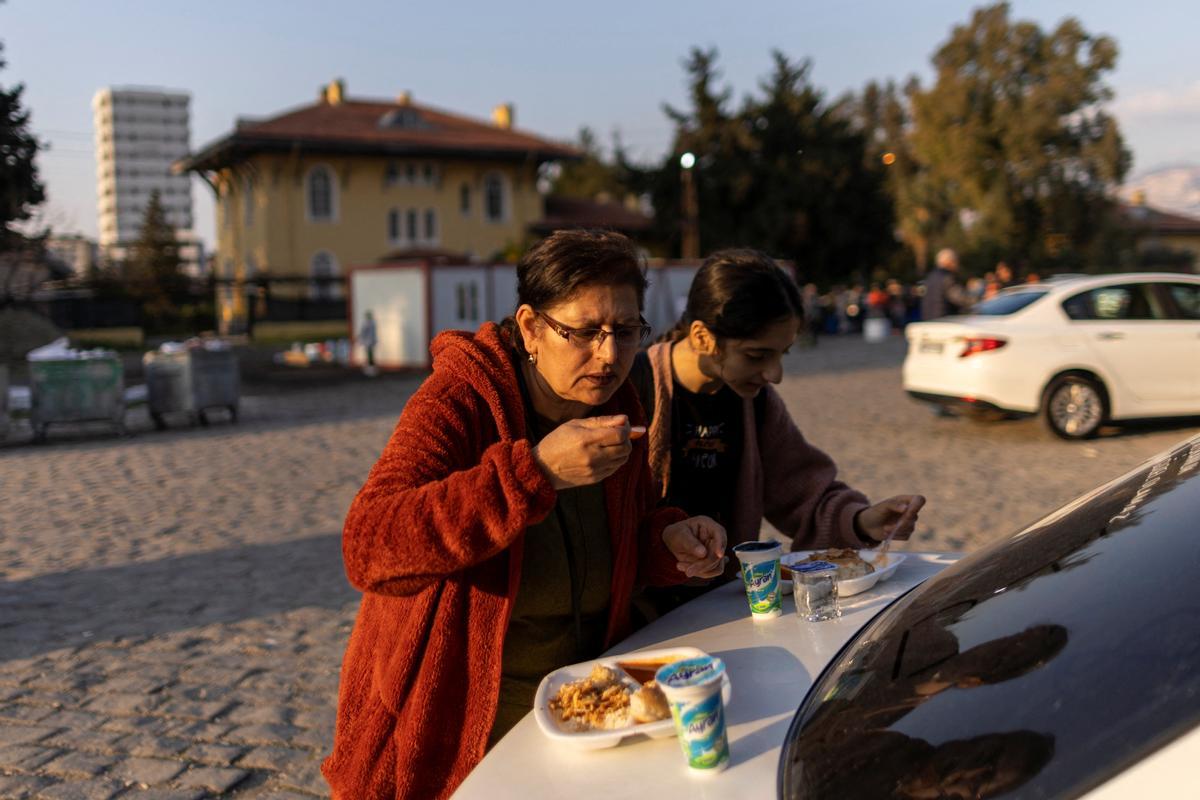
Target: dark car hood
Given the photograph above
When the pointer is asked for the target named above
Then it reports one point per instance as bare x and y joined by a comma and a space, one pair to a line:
1037, 667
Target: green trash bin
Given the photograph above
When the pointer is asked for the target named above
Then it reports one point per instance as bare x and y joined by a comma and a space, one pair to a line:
76, 390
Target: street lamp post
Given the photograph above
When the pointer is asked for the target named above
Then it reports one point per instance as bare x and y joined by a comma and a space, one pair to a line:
691, 208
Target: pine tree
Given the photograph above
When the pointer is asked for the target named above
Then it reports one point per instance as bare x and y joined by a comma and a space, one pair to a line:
153, 273
785, 173
593, 177
20, 188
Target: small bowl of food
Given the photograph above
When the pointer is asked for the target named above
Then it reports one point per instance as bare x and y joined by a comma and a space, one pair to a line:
858, 570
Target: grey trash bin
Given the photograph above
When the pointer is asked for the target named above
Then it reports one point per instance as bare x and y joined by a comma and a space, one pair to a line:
168, 385
192, 381
76, 390
216, 382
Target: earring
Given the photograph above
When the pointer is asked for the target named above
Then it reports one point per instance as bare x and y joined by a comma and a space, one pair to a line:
533, 358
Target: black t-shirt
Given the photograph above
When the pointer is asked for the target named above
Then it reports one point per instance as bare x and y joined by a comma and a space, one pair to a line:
706, 452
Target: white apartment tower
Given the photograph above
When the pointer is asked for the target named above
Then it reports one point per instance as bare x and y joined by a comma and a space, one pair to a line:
139, 133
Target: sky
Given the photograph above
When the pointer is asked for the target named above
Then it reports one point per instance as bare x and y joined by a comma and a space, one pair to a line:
609, 66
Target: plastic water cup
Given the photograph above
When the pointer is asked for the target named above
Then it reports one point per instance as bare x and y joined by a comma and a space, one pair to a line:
760, 574
814, 587
693, 691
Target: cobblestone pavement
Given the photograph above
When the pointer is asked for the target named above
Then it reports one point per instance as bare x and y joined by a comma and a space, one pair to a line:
173, 608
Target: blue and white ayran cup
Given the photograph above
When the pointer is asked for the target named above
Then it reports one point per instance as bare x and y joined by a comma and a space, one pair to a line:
693, 691
760, 574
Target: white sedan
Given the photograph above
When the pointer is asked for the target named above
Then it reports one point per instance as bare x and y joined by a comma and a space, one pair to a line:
1081, 350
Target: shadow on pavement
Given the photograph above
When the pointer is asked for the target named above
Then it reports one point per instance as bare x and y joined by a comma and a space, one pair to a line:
1033, 427
146, 599
1137, 427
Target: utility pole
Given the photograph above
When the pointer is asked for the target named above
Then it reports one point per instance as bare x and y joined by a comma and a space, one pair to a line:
691, 208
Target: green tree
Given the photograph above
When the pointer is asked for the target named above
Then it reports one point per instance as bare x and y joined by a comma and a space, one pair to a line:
1015, 154
881, 112
815, 198
710, 132
593, 177
20, 189
785, 173
153, 273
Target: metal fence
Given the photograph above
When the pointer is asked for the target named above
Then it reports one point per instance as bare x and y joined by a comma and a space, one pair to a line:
86, 305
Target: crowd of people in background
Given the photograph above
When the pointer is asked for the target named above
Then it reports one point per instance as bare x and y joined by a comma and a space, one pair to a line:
942, 292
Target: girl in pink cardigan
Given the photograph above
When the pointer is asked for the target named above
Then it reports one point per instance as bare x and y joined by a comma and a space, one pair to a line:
722, 442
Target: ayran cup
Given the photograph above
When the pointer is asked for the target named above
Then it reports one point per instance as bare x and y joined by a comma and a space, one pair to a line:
693, 691
760, 574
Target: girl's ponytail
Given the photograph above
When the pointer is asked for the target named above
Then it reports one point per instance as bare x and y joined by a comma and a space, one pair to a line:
737, 294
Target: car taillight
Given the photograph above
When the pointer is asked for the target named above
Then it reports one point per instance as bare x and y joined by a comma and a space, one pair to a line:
980, 344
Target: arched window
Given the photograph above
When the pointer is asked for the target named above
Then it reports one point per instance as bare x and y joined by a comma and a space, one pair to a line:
464, 199
320, 191
323, 270
494, 205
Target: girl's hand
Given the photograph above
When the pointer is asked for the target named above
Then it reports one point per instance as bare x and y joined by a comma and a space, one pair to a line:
698, 543
899, 512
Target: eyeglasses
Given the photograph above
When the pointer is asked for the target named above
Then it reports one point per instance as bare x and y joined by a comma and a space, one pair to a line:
626, 336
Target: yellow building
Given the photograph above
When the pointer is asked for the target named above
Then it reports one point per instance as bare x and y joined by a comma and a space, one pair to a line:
306, 195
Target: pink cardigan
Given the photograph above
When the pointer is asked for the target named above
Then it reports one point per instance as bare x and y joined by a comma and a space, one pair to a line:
782, 477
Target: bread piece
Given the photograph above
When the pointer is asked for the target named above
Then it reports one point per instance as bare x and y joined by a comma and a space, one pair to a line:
649, 704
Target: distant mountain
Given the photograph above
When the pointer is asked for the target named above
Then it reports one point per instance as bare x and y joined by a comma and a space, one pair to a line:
1174, 188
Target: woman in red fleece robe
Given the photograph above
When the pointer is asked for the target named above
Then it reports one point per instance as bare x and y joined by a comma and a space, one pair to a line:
517, 426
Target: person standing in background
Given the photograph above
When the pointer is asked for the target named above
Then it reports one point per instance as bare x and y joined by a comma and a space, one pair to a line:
1004, 275
811, 301
368, 337
896, 306
944, 295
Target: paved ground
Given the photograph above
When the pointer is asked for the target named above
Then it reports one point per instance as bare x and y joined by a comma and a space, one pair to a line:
173, 608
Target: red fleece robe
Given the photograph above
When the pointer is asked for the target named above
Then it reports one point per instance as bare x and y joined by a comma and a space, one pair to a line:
434, 540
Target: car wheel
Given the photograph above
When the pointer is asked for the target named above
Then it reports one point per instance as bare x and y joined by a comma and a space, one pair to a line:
1074, 407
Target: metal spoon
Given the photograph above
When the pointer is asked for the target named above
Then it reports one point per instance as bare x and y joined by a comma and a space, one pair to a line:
881, 558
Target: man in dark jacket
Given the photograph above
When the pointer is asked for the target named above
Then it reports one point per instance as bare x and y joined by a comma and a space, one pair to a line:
944, 295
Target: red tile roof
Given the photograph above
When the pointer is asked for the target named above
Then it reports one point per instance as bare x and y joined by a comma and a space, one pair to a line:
1154, 220
375, 127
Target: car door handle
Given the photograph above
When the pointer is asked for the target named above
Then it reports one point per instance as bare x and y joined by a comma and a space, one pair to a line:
1109, 336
